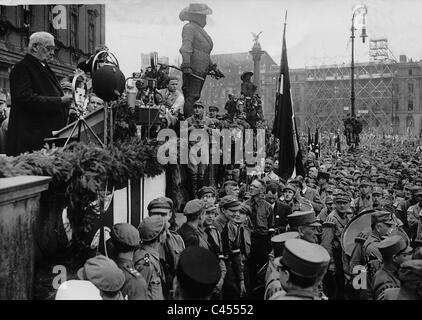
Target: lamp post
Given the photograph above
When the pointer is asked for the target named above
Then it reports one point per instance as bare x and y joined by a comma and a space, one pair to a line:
360, 9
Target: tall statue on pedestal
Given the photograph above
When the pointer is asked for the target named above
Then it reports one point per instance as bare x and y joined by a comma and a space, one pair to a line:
195, 51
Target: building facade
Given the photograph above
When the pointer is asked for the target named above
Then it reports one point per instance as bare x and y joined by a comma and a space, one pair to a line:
77, 29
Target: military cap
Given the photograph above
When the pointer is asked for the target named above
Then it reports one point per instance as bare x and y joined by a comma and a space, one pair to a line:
411, 271
194, 207
246, 209
418, 192
206, 189
125, 233
344, 181
340, 195
210, 207
393, 245
381, 179
199, 103
289, 186
365, 181
377, 190
300, 218
230, 202
103, 273
229, 183
304, 259
381, 216
159, 205
66, 85
323, 175
78, 290
214, 108
198, 270
151, 227
278, 241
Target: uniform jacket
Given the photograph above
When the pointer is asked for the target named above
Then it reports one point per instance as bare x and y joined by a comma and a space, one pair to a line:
280, 212
147, 263
196, 49
313, 196
36, 109
193, 236
385, 278
361, 203
135, 287
414, 220
299, 294
262, 215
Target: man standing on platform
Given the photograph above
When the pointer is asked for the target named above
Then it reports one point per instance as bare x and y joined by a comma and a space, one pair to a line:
38, 104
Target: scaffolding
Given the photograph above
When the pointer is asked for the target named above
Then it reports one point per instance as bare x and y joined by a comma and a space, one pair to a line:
327, 95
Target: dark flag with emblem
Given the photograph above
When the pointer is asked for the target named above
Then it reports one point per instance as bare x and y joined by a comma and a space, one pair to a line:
316, 144
338, 144
290, 155
310, 142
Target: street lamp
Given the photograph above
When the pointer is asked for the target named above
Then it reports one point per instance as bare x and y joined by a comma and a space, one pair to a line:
360, 9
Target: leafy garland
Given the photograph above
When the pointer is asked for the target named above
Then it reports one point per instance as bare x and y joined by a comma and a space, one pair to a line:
82, 171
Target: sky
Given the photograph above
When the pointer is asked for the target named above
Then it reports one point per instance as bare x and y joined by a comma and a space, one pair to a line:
318, 31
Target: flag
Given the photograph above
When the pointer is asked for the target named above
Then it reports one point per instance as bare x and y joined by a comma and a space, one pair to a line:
338, 144
290, 155
316, 143
310, 142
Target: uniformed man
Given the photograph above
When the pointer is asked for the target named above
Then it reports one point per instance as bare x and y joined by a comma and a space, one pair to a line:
292, 197
273, 283
147, 258
215, 244
105, 275
308, 194
394, 251
191, 231
329, 206
197, 272
125, 239
171, 245
410, 275
332, 229
305, 263
234, 283
208, 195
323, 178
376, 197
414, 215
364, 201
306, 224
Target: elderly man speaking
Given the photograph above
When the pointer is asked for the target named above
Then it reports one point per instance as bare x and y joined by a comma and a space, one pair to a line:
38, 104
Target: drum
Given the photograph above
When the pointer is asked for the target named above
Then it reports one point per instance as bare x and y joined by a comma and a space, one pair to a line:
359, 223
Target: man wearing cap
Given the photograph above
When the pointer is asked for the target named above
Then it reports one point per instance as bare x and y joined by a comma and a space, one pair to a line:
247, 88
105, 275
305, 223
171, 244
408, 201
208, 195
213, 115
147, 257
195, 50
376, 197
213, 237
329, 206
305, 263
198, 273
234, 282
309, 195
364, 201
414, 215
262, 226
273, 283
124, 240
323, 178
191, 231
196, 171
410, 275
332, 229
394, 251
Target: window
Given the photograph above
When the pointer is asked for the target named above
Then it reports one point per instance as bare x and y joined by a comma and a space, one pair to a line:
74, 30
410, 72
410, 87
409, 122
410, 105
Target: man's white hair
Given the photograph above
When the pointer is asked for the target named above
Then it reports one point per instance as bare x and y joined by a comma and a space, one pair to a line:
39, 37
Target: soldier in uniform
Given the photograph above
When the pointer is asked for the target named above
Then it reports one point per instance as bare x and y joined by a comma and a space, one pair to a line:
394, 251
105, 275
293, 198
125, 239
147, 258
208, 195
171, 244
414, 216
191, 231
215, 244
306, 224
273, 284
198, 273
331, 233
410, 276
306, 264
364, 201
323, 178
